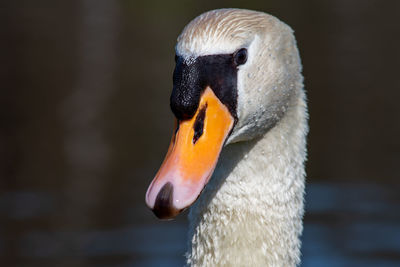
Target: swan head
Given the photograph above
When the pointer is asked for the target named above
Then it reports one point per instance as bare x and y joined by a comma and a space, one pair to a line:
237, 71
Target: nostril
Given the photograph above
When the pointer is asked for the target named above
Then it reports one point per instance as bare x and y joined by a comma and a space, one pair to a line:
198, 126
163, 206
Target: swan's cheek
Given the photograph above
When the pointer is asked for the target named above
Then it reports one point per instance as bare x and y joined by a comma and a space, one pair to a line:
191, 158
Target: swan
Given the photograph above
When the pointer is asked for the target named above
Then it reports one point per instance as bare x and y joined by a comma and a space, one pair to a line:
239, 101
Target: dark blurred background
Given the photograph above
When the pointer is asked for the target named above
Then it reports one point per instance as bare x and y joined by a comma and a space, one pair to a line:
85, 124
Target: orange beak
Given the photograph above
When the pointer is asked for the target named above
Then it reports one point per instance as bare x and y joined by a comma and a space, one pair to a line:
191, 157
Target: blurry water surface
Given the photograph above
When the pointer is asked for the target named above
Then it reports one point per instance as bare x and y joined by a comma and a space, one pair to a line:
345, 225
85, 124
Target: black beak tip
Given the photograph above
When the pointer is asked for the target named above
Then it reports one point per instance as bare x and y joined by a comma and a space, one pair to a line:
163, 206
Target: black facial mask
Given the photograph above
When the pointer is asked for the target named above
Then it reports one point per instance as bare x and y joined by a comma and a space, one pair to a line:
219, 72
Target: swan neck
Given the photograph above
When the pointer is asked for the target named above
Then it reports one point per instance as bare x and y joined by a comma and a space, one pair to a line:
253, 204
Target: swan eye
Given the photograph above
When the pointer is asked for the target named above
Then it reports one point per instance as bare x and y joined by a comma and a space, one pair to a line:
176, 58
240, 56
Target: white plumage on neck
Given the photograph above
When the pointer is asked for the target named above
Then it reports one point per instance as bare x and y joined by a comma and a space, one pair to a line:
250, 213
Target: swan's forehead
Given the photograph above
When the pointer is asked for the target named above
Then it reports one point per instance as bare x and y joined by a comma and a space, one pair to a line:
220, 32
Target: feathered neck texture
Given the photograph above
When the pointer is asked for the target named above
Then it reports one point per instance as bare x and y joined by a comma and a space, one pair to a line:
250, 213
